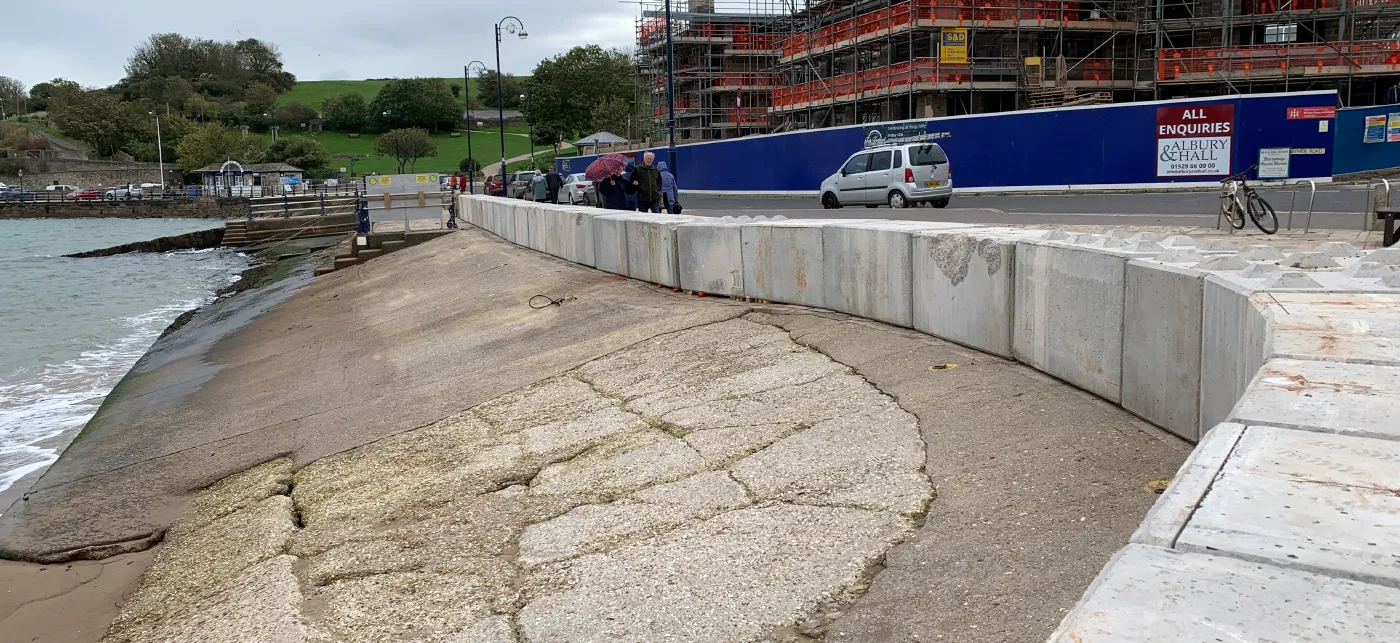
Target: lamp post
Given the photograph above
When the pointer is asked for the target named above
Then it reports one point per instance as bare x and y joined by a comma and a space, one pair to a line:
530, 118
160, 153
510, 27
467, 90
670, 94
393, 118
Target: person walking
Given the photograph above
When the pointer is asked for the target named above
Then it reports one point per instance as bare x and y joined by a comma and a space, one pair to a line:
539, 188
552, 183
613, 192
647, 181
670, 192
630, 187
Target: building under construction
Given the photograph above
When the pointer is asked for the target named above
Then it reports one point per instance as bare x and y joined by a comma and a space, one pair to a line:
755, 66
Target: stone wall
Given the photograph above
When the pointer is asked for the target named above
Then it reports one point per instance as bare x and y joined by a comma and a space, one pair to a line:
1284, 369
195, 208
85, 173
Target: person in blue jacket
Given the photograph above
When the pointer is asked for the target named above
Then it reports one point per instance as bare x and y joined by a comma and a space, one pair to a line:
670, 192
631, 190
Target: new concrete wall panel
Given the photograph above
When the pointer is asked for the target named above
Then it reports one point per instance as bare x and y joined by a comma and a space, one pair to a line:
1162, 345
610, 243
1335, 397
963, 287
1154, 595
1069, 314
782, 261
580, 222
1174, 508
1307, 500
1235, 339
711, 257
652, 255
867, 272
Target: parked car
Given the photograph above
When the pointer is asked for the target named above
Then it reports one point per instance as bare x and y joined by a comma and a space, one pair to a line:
61, 189
86, 194
578, 189
121, 192
494, 187
519, 184
896, 175
13, 193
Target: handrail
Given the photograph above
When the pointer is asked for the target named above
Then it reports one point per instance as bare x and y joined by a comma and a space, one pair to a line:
1311, 197
1369, 206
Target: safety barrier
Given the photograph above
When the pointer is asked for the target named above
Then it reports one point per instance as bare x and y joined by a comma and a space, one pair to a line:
1293, 373
1203, 63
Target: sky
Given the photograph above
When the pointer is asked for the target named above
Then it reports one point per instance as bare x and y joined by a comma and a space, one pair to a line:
89, 40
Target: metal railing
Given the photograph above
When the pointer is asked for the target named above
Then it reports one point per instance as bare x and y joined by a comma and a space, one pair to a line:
1312, 196
1369, 209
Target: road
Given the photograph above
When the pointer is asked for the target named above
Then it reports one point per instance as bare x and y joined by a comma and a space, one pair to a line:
1336, 207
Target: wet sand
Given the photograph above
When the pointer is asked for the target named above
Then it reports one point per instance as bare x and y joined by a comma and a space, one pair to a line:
69, 603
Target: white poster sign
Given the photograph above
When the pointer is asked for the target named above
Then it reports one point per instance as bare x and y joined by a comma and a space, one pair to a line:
1195, 140
1273, 163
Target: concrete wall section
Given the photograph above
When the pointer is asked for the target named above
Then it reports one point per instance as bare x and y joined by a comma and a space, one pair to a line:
1069, 314
652, 254
711, 257
1162, 345
783, 261
963, 285
610, 243
867, 271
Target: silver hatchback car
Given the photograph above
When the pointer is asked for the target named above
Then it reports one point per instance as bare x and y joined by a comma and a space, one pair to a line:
894, 175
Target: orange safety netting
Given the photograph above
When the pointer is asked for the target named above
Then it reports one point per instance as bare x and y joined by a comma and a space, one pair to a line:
1269, 59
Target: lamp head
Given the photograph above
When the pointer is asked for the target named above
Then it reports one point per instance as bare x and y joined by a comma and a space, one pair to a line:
523, 34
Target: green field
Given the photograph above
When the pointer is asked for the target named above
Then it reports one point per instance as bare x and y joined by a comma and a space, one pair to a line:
486, 147
314, 92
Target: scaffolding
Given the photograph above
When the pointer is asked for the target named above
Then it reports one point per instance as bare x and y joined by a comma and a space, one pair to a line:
1213, 47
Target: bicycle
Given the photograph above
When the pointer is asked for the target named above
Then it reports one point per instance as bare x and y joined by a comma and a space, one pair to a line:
1233, 206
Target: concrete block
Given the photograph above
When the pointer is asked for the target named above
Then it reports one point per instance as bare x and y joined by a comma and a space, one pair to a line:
867, 271
1261, 253
964, 283
1333, 397
1362, 328
652, 255
783, 261
1069, 314
1235, 340
711, 257
1179, 241
1388, 256
1162, 345
1338, 249
1223, 262
1174, 507
1154, 595
1180, 254
610, 243
1306, 500
1309, 260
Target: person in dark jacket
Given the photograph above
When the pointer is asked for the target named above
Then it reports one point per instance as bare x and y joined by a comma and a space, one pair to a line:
552, 183
647, 181
613, 192
629, 187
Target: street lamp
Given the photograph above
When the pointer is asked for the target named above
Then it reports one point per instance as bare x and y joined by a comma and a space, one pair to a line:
393, 118
160, 152
466, 78
510, 27
530, 118
671, 94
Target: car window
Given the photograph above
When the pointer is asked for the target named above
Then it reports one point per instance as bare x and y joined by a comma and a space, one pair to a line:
857, 164
880, 161
926, 155
899, 158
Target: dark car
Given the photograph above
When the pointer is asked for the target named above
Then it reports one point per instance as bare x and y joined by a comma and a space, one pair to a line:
12, 193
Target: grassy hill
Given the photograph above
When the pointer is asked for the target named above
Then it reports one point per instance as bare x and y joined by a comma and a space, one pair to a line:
486, 147
313, 92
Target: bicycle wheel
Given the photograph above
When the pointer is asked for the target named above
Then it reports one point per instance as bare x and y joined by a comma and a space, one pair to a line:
1262, 213
1230, 208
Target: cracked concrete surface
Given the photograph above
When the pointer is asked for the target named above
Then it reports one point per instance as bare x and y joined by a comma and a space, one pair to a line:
579, 508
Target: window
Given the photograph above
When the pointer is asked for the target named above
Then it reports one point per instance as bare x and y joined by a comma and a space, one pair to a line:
857, 164
879, 161
898, 158
927, 155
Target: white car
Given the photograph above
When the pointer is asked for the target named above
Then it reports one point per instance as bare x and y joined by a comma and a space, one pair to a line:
62, 189
124, 192
896, 175
579, 189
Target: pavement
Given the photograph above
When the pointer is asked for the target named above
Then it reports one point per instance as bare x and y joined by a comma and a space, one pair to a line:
406, 450
1336, 207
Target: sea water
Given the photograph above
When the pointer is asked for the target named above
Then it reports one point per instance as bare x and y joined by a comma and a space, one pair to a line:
71, 328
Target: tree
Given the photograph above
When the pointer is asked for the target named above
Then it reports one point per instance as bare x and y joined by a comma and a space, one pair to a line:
260, 98
142, 142
12, 94
415, 102
456, 90
199, 107
469, 166
302, 151
511, 89
215, 69
262, 62
294, 114
44, 95
97, 117
344, 113
548, 134
406, 146
213, 143
584, 90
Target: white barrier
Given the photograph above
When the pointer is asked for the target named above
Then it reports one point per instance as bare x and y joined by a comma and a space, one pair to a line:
1296, 370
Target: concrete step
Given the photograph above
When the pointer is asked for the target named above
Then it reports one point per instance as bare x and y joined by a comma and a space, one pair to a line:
376, 238
391, 246
420, 236
323, 270
345, 262
366, 255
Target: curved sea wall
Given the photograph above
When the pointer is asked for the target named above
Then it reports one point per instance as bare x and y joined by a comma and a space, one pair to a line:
1284, 369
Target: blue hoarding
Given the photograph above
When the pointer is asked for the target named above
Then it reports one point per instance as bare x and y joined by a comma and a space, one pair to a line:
1090, 146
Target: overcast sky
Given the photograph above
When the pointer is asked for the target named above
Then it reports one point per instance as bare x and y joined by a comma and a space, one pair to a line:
89, 40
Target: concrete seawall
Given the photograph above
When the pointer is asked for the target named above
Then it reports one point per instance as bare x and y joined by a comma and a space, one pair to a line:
1284, 370
196, 208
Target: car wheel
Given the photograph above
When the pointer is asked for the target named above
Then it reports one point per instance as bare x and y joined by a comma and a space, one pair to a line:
897, 200
941, 203
829, 201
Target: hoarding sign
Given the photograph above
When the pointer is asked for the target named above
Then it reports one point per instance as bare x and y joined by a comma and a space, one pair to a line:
953, 47
897, 133
1195, 140
1273, 163
1296, 113
1392, 127
1375, 129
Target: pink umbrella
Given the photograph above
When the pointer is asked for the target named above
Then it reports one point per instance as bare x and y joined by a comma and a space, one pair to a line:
605, 166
